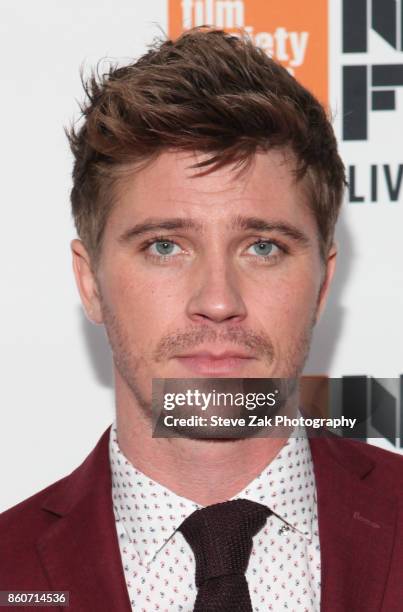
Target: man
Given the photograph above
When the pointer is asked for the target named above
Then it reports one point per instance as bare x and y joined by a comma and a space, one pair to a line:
207, 186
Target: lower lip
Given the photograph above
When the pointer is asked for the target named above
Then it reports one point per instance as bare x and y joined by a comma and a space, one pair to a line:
209, 366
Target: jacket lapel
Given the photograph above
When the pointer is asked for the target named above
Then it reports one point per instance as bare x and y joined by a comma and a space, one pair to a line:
80, 550
356, 527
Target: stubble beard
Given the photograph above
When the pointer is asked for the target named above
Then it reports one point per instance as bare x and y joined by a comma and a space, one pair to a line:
130, 364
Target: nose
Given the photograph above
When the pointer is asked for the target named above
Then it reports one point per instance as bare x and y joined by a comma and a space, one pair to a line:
216, 294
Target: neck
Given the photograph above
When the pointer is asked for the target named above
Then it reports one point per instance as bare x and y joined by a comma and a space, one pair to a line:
204, 471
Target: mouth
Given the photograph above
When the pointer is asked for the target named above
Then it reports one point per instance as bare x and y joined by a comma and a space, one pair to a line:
215, 364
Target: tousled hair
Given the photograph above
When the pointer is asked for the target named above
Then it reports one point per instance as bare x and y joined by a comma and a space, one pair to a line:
207, 91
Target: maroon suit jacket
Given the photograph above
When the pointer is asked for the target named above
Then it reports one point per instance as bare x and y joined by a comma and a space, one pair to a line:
64, 538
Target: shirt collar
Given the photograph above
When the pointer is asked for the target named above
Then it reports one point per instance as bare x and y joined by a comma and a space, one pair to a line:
151, 513
287, 485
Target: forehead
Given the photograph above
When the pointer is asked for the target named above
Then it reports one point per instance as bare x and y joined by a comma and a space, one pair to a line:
169, 186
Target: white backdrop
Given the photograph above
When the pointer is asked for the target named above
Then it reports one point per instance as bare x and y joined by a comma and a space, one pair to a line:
56, 392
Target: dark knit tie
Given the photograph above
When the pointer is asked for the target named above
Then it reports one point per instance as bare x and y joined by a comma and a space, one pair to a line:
221, 539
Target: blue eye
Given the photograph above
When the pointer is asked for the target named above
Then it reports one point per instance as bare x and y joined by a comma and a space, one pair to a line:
163, 247
265, 248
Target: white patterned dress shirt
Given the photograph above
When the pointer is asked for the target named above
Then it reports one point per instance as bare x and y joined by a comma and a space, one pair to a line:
284, 567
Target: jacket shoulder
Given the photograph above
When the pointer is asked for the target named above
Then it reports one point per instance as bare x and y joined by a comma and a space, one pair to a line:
20, 527
386, 466
378, 454
26, 512
23, 525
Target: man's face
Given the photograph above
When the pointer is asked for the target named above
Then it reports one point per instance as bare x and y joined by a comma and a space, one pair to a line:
218, 275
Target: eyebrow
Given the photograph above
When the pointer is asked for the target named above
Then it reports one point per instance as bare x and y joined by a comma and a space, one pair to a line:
238, 223
158, 225
260, 225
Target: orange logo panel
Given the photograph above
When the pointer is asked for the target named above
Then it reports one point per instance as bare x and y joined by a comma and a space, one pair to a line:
294, 33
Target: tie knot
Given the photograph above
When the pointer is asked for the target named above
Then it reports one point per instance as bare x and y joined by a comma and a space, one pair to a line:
221, 536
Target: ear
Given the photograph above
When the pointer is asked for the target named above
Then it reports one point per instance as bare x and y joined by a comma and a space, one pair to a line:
329, 269
86, 282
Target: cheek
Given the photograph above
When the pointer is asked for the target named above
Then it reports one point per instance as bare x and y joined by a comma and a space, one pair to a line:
288, 304
143, 304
